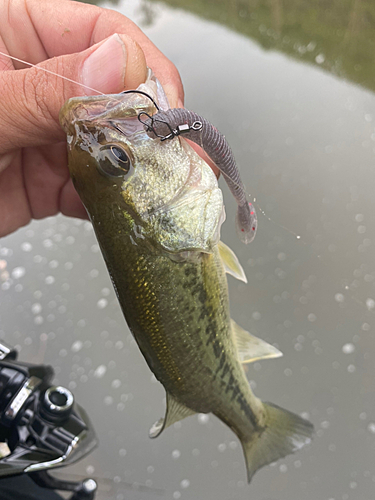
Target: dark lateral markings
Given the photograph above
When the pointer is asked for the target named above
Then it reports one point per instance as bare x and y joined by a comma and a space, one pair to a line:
198, 290
226, 369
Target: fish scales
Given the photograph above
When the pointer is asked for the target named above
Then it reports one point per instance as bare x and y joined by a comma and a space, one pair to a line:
200, 319
157, 210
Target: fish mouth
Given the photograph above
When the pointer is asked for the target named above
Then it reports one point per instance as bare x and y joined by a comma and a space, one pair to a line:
112, 107
89, 109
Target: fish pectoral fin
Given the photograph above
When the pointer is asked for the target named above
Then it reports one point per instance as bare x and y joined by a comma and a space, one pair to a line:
174, 413
250, 348
231, 263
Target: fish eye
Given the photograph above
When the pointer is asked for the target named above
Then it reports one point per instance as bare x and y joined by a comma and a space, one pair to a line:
113, 161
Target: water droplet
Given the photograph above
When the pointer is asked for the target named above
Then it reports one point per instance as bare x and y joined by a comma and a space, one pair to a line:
38, 320
26, 246
108, 400
100, 371
370, 303
371, 427
36, 308
311, 317
47, 243
339, 297
102, 303
348, 348
18, 272
77, 346
256, 315
185, 483
320, 58
203, 418
176, 454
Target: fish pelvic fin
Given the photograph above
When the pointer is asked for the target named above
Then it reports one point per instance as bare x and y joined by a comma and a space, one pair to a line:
250, 348
174, 412
283, 433
231, 263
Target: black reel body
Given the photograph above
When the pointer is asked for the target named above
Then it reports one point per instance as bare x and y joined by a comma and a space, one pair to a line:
41, 426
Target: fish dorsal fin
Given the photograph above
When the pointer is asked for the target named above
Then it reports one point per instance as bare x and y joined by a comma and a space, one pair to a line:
231, 262
251, 348
174, 413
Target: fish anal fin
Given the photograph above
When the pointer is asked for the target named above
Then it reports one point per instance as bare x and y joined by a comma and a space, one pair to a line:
250, 348
283, 433
175, 412
231, 263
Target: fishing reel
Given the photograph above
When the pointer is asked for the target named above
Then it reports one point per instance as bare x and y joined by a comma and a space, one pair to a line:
41, 427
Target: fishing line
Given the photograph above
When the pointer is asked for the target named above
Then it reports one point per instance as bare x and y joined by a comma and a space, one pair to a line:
50, 72
173, 132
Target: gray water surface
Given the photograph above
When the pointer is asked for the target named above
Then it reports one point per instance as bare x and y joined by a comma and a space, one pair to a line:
305, 142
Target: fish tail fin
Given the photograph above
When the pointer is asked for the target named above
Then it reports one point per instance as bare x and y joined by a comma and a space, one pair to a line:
283, 433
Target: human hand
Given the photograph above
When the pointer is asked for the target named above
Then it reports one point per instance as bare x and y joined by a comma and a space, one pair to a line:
66, 38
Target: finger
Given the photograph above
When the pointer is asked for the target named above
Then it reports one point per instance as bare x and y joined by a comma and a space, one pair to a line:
32, 98
70, 204
73, 27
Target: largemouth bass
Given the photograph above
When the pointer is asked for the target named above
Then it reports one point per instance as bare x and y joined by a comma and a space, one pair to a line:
156, 209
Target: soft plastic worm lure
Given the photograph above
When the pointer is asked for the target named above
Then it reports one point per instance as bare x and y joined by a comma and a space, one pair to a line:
173, 122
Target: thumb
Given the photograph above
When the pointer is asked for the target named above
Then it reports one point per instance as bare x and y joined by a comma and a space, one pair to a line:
31, 98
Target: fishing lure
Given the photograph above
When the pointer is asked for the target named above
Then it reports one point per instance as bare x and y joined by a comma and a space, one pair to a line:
174, 122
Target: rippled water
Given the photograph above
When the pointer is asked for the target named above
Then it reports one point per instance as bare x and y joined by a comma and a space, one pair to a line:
305, 141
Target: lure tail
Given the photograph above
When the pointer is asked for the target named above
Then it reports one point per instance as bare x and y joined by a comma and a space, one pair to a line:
246, 222
284, 433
